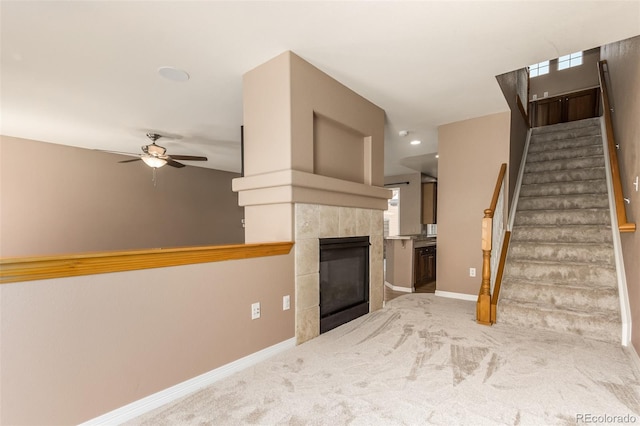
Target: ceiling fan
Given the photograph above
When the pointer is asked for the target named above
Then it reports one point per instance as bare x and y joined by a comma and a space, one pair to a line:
155, 156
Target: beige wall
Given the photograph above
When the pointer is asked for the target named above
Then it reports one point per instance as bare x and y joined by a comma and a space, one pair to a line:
75, 348
400, 263
308, 139
624, 66
314, 92
567, 80
282, 97
60, 199
410, 201
511, 85
338, 151
266, 106
471, 152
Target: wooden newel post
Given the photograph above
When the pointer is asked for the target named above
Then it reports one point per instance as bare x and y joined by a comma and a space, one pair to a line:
483, 309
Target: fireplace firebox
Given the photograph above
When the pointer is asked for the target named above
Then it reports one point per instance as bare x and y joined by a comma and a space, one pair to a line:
344, 280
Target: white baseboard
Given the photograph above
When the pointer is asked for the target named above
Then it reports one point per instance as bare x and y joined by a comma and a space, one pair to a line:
461, 296
144, 405
396, 288
634, 355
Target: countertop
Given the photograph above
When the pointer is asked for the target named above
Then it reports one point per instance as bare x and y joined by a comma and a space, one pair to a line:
418, 240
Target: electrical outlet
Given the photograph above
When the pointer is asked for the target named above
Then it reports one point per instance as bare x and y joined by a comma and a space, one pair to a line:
546, 94
255, 310
286, 303
472, 272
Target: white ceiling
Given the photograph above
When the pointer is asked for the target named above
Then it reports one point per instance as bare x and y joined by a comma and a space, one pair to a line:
84, 73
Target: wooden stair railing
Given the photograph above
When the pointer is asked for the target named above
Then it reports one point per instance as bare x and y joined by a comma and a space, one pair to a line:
496, 287
523, 112
621, 214
484, 305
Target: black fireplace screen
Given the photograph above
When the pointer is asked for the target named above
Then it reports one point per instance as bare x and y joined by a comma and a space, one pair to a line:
344, 280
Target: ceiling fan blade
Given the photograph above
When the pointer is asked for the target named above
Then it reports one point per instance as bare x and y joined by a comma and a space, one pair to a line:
188, 157
172, 163
130, 161
118, 152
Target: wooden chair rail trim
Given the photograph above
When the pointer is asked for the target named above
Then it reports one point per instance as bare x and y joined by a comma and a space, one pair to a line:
44, 267
496, 191
496, 287
621, 214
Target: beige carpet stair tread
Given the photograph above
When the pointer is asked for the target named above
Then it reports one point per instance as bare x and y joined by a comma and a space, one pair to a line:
599, 326
560, 271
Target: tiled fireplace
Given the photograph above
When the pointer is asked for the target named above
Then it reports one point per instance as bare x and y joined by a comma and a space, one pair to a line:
312, 222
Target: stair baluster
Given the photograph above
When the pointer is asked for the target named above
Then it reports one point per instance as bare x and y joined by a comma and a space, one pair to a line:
483, 306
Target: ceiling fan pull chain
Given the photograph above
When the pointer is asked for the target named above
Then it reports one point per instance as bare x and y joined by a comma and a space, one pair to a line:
154, 177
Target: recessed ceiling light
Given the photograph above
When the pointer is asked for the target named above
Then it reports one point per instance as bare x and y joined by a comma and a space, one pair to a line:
415, 142
437, 156
173, 74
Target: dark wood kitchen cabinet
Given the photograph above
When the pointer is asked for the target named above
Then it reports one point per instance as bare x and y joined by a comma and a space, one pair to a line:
425, 265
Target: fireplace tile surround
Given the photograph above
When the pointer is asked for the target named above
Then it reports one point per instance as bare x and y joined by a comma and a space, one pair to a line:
314, 221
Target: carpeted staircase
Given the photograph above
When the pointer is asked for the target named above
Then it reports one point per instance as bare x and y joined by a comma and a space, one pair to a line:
560, 270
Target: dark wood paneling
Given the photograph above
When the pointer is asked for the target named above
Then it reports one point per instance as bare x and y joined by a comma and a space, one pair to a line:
561, 109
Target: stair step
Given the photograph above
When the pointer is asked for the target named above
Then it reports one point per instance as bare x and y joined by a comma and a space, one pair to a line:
562, 202
560, 272
594, 186
565, 164
563, 217
577, 132
565, 153
587, 122
541, 146
565, 273
552, 296
562, 252
604, 327
564, 175
568, 234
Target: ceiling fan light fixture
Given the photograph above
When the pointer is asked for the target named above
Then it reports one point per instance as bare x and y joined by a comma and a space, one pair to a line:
155, 150
154, 162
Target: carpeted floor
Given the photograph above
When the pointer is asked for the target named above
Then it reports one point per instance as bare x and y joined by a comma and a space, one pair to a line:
422, 360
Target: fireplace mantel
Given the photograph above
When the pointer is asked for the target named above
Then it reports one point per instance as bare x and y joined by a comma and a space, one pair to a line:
294, 186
